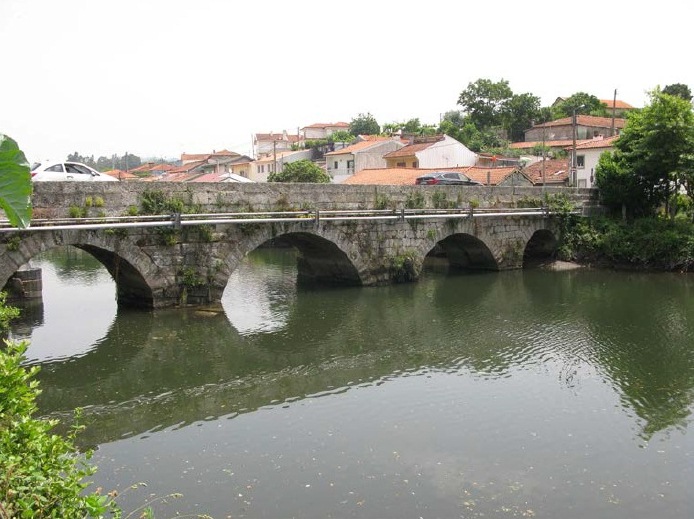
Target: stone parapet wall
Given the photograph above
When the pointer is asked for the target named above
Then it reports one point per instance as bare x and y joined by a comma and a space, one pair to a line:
54, 199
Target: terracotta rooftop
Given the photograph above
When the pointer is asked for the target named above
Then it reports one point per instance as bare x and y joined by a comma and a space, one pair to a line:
406, 176
327, 125
550, 144
358, 146
605, 142
277, 137
585, 120
556, 171
621, 105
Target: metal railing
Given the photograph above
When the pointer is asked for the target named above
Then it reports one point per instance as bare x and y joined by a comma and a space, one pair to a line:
178, 220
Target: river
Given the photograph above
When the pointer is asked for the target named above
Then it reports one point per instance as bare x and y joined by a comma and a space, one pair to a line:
514, 394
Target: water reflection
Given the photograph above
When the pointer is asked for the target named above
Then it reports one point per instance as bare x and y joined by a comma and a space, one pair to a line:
277, 343
502, 394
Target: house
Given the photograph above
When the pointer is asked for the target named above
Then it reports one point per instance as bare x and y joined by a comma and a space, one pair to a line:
552, 172
437, 151
322, 130
205, 167
263, 166
586, 127
365, 154
122, 175
265, 144
504, 176
587, 157
619, 108
221, 156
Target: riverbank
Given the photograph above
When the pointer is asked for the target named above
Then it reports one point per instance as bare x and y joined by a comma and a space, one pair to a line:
649, 244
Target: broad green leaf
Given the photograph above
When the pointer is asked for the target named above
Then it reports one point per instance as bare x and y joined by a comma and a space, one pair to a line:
15, 183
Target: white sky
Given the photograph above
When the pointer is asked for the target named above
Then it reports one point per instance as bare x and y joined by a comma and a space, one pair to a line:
161, 77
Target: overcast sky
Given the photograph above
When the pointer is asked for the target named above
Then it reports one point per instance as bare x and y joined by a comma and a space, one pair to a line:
161, 77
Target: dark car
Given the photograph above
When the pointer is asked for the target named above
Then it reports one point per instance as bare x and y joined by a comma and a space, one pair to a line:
446, 178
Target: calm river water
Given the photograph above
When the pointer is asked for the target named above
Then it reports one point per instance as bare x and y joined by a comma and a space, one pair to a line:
514, 394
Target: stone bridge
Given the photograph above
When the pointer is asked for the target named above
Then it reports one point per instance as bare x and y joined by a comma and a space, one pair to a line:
158, 266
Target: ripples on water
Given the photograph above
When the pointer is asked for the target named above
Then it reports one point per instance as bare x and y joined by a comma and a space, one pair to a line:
500, 395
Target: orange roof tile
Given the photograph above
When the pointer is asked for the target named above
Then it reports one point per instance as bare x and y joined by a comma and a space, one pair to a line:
585, 120
606, 142
406, 176
621, 105
556, 171
357, 146
327, 125
550, 144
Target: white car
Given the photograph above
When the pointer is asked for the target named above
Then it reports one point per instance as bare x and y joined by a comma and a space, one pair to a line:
68, 171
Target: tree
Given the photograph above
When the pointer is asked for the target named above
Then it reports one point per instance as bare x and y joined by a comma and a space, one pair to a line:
300, 171
484, 101
679, 90
15, 183
585, 104
364, 124
341, 136
518, 115
652, 156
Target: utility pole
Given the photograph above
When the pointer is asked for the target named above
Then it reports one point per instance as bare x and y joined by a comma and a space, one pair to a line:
574, 166
614, 108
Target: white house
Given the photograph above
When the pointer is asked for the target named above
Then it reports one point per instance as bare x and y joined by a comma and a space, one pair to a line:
262, 167
322, 130
265, 144
587, 156
437, 151
367, 154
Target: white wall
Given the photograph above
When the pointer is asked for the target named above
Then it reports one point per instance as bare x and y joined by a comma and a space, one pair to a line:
447, 153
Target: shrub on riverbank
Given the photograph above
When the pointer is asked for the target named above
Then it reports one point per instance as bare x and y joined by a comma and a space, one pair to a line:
647, 243
41, 474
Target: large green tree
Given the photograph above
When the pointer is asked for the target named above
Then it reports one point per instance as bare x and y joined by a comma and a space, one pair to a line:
300, 171
519, 113
652, 156
679, 90
583, 103
484, 102
364, 124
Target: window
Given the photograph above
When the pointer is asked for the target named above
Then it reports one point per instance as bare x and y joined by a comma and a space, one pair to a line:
400, 165
57, 167
580, 161
335, 166
414, 164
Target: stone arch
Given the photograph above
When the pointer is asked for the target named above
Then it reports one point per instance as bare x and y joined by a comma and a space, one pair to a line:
540, 247
464, 252
323, 259
125, 262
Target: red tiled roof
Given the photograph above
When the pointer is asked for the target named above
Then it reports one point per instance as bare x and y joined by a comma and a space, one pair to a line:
119, 173
411, 149
357, 146
209, 177
585, 120
620, 105
327, 125
406, 176
556, 171
187, 167
606, 142
277, 137
550, 144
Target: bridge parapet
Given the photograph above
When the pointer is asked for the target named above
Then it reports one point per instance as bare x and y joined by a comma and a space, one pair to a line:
63, 199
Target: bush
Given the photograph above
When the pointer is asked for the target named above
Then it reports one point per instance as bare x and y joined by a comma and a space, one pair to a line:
41, 474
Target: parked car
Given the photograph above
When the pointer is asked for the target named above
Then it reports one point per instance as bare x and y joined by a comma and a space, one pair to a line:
446, 178
68, 171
